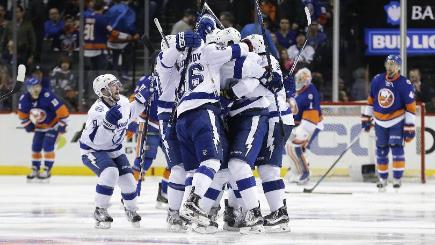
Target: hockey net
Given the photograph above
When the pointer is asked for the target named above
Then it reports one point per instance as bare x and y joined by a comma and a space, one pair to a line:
342, 124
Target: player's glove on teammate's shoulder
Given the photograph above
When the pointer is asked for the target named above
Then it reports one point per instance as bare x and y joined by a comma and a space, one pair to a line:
272, 81
187, 39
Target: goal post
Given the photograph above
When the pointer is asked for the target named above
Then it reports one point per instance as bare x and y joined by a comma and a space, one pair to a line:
342, 122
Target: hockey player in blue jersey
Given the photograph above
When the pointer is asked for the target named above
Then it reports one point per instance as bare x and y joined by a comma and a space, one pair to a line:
308, 118
102, 148
42, 113
391, 102
199, 126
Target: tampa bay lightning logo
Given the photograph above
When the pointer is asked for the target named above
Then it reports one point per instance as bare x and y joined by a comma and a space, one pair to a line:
393, 12
385, 98
118, 137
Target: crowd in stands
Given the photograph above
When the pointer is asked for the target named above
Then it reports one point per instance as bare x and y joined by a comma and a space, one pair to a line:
48, 36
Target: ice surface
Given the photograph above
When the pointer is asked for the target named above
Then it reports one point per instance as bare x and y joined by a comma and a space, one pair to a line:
61, 213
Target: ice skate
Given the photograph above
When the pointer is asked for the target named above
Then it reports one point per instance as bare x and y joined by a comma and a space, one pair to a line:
175, 222
277, 221
102, 219
30, 177
133, 217
305, 177
213, 226
161, 201
44, 175
252, 221
231, 218
192, 212
382, 185
397, 183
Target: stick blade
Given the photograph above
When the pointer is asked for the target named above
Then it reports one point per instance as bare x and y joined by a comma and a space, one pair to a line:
307, 13
21, 73
308, 190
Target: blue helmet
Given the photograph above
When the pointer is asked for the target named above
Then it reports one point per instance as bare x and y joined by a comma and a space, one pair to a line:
32, 81
206, 25
395, 58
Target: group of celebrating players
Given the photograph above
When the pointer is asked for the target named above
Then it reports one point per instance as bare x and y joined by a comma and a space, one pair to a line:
220, 107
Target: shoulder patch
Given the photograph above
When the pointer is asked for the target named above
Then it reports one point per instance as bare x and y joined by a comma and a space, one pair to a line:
310, 96
46, 94
99, 108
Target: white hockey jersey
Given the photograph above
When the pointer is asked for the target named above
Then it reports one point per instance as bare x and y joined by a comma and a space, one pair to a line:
246, 70
168, 81
96, 137
286, 113
203, 74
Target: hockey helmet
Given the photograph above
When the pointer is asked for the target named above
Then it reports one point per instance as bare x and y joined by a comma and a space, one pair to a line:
171, 41
103, 82
257, 42
302, 78
33, 85
228, 36
394, 58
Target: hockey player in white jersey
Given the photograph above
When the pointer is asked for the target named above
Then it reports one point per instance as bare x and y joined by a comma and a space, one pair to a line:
199, 127
168, 72
269, 160
102, 149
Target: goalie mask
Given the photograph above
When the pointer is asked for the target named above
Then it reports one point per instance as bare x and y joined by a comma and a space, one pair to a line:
228, 36
257, 42
107, 86
171, 42
302, 79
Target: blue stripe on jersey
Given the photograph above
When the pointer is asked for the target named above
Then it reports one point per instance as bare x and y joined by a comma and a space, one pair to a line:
188, 181
86, 147
246, 183
92, 135
161, 62
104, 190
242, 103
165, 116
235, 51
275, 113
238, 67
178, 187
212, 194
165, 104
200, 96
273, 185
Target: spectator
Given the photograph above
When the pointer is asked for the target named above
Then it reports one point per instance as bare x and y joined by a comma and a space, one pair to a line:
227, 19
67, 41
3, 24
39, 73
423, 91
307, 54
6, 85
37, 13
360, 87
122, 19
253, 28
269, 7
54, 25
285, 36
284, 61
186, 23
26, 40
342, 93
317, 38
64, 84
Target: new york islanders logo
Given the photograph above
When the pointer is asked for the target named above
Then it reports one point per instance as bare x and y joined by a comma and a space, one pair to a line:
385, 98
37, 115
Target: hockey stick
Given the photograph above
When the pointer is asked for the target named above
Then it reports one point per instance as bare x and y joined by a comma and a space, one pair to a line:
310, 190
218, 21
269, 63
18, 84
78, 134
308, 15
159, 28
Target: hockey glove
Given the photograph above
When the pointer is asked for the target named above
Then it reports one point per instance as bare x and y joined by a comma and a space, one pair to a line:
408, 132
112, 117
61, 128
187, 39
28, 125
143, 94
131, 130
136, 169
206, 26
272, 81
229, 93
366, 122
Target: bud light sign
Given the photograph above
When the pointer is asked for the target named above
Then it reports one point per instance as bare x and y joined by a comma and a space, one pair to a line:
387, 41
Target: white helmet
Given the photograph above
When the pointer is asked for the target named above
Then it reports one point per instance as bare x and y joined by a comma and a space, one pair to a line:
257, 42
103, 81
228, 35
302, 78
212, 36
171, 41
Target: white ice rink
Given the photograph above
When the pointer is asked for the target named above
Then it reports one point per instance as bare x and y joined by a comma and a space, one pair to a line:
61, 213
